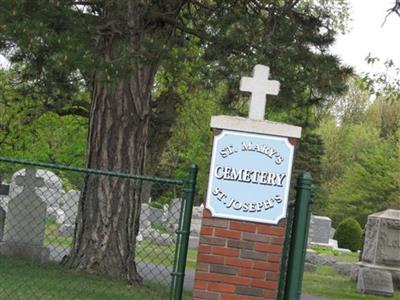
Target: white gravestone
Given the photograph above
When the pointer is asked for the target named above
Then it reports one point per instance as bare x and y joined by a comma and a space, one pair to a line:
69, 204
174, 212
25, 221
259, 86
70, 201
195, 226
50, 192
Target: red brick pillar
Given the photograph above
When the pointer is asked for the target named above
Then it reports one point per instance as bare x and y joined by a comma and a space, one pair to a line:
238, 259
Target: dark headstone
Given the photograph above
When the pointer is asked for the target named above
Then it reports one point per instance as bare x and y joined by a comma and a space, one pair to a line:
2, 221
4, 188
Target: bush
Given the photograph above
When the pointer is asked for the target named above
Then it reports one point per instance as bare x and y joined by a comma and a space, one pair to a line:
349, 234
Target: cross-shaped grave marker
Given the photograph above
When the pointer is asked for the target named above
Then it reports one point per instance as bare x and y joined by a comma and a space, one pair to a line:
29, 181
259, 86
25, 221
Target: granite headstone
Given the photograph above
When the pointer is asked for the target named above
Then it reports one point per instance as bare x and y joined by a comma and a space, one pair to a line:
381, 249
375, 282
321, 229
25, 221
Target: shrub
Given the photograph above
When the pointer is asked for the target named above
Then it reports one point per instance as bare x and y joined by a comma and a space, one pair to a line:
349, 234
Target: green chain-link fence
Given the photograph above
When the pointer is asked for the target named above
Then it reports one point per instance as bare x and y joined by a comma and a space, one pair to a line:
38, 209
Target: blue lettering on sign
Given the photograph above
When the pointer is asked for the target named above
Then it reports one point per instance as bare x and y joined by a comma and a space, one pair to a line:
249, 177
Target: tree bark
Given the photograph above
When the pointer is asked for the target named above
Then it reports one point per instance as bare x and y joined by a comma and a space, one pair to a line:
109, 208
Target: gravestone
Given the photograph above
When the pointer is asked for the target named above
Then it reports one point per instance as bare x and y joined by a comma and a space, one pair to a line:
69, 204
25, 221
4, 188
195, 227
155, 215
2, 221
381, 249
375, 282
4, 192
320, 229
50, 192
145, 229
174, 212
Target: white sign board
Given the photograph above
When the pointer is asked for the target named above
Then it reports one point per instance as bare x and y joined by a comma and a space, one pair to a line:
250, 177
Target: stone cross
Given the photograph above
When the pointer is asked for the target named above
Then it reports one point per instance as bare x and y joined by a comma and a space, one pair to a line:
259, 86
29, 181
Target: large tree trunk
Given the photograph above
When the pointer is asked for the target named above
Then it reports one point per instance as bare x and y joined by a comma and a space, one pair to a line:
109, 208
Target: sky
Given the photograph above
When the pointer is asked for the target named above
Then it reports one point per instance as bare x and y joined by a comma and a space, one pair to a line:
366, 35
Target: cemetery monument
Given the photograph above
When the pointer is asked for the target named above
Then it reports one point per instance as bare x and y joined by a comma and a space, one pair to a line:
25, 221
381, 253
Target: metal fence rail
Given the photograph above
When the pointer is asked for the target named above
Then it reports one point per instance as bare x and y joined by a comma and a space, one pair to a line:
38, 208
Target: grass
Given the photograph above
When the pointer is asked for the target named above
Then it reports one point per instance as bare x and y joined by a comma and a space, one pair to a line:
348, 257
327, 283
146, 251
162, 255
52, 237
22, 280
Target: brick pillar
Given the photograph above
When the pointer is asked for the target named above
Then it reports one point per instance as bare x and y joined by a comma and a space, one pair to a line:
238, 260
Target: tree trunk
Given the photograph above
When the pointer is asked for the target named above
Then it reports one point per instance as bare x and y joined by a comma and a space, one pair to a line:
109, 208
162, 119
108, 214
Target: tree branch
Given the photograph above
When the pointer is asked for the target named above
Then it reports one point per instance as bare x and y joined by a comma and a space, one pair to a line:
395, 9
199, 33
73, 107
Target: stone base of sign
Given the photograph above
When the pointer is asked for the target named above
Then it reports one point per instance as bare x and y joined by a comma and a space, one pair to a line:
255, 126
238, 259
34, 253
394, 271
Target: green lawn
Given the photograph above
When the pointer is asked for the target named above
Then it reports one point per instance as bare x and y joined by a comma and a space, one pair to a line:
22, 280
52, 237
146, 251
327, 283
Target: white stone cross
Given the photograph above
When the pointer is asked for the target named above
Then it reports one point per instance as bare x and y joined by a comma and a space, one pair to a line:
259, 86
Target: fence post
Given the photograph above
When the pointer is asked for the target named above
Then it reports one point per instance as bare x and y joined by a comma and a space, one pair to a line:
286, 251
299, 237
183, 234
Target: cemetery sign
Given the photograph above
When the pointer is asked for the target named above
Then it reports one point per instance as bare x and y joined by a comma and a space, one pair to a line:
252, 159
250, 177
